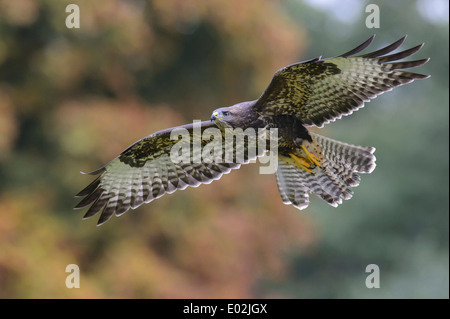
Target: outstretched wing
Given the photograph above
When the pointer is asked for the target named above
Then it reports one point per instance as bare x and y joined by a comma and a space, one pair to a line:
322, 90
150, 168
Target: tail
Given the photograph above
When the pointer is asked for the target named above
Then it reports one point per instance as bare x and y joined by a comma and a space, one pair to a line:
341, 164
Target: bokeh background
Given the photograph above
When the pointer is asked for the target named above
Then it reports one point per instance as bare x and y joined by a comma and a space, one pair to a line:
73, 99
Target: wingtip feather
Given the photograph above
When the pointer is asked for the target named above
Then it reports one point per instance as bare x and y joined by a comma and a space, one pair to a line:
359, 48
385, 50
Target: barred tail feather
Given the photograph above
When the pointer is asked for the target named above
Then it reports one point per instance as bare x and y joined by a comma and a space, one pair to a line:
341, 164
344, 156
292, 184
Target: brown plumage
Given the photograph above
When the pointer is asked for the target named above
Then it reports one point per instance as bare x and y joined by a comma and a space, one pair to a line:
310, 93
319, 91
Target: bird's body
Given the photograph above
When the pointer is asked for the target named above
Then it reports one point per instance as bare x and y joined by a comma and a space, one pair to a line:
310, 93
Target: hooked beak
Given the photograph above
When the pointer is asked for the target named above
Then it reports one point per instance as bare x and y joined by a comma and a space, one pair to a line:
214, 116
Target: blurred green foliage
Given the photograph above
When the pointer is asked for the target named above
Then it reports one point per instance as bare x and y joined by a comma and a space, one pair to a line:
73, 99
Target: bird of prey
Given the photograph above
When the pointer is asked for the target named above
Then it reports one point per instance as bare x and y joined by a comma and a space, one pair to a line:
304, 94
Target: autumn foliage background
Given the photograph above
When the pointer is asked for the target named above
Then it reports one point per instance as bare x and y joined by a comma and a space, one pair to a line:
73, 99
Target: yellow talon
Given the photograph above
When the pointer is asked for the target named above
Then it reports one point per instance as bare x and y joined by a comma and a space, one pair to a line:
302, 162
311, 157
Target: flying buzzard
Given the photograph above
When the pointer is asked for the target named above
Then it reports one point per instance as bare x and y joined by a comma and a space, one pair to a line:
309, 93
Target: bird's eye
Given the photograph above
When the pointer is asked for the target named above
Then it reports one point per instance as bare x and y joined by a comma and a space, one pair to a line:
226, 113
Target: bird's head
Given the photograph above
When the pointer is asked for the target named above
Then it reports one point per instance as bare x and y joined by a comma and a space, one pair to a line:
237, 115
223, 116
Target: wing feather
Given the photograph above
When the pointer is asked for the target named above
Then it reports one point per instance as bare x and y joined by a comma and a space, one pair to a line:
320, 91
384, 50
144, 172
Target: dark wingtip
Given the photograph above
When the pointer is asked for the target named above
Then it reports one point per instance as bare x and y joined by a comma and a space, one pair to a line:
385, 50
90, 188
421, 76
97, 207
359, 48
400, 55
96, 172
408, 64
103, 219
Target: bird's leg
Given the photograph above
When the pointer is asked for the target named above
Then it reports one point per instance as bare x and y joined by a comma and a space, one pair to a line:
307, 163
310, 156
302, 162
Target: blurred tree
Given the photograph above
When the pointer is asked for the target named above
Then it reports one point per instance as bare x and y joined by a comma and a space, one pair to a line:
73, 99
